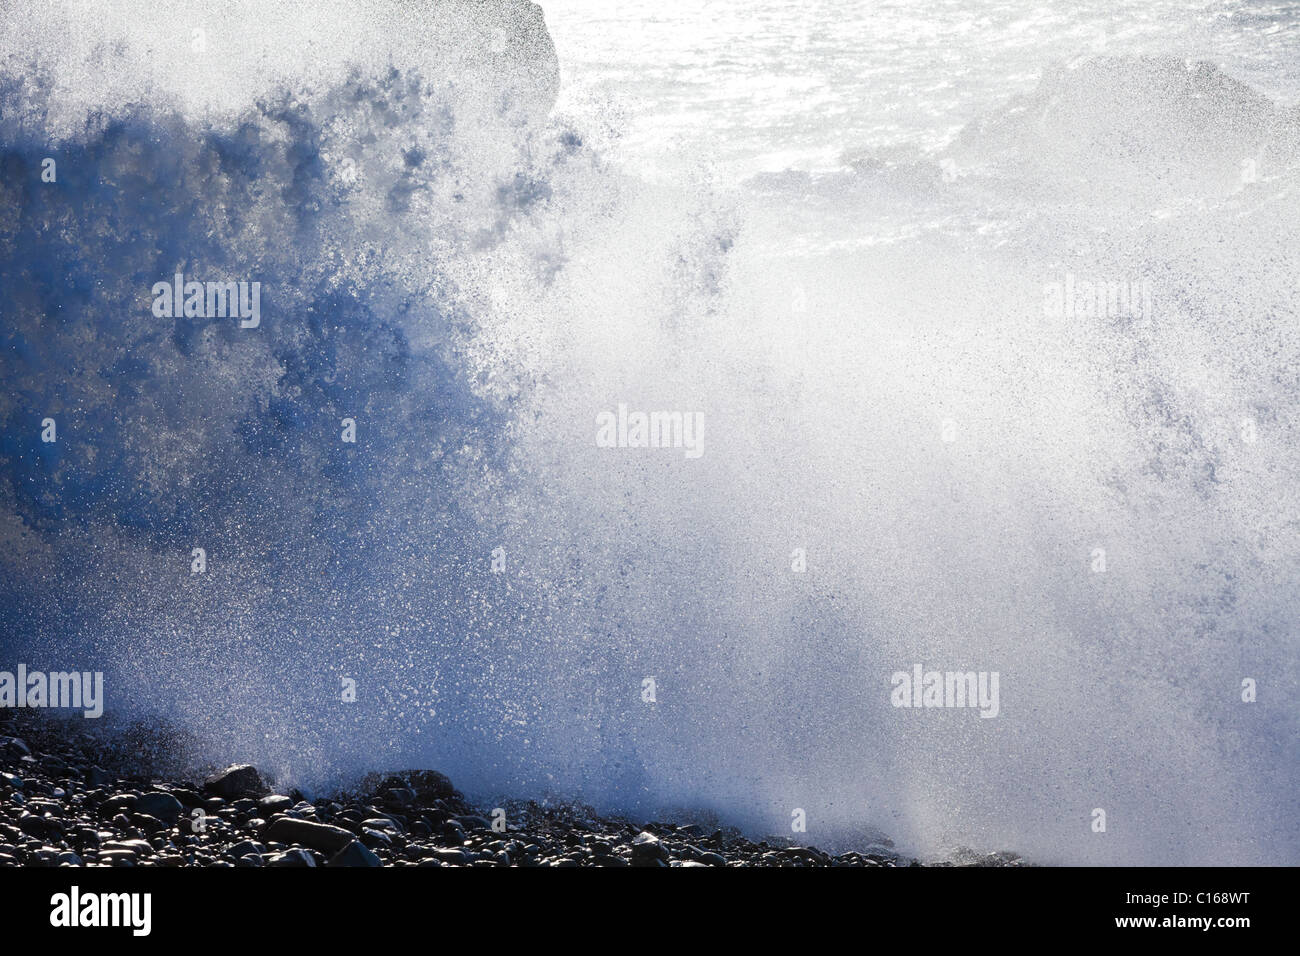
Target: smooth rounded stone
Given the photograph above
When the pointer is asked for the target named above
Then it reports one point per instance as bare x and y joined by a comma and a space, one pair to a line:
451, 830
295, 857
451, 855
250, 860
238, 780
117, 857
355, 854
118, 803
804, 853
8, 859
14, 747
246, 847
147, 823
193, 825
275, 803
318, 836
68, 858
647, 847
473, 822
381, 823
426, 784
35, 825
615, 861
564, 863
376, 839
99, 777
132, 846
11, 780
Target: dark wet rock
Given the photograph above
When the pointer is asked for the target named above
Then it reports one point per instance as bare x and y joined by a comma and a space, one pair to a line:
425, 784
804, 853
708, 858
240, 780
34, 825
99, 777
161, 805
273, 804
647, 848
117, 857
118, 803
318, 836
354, 854
53, 762
146, 823
294, 857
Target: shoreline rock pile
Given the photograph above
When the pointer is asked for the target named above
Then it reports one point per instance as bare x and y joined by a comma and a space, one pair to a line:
58, 807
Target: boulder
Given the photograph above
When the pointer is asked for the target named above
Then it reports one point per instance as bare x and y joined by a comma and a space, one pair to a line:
239, 780
354, 854
318, 836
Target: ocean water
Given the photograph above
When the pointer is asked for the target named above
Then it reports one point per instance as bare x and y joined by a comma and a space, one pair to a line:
843, 234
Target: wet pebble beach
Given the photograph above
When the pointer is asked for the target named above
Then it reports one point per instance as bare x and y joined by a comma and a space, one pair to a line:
72, 798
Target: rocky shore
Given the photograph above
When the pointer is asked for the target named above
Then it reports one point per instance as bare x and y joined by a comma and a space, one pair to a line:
72, 798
